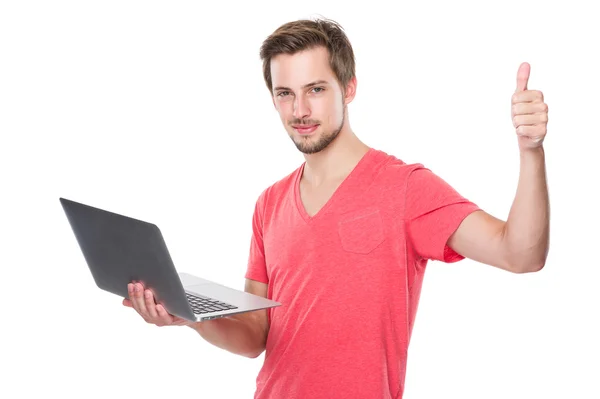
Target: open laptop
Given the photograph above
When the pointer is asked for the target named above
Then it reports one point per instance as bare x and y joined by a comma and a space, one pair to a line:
119, 249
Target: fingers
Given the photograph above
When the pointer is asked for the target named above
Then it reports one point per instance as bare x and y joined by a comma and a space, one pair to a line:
150, 305
130, 292
131, 287
138, 297
527, 96
523, 76
178, 321
163, 315
528, 108
137, 302
142, 300
530, 119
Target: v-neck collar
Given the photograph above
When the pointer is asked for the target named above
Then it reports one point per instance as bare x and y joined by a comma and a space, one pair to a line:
355, 173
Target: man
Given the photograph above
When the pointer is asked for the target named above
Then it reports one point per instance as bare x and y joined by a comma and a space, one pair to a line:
342, 242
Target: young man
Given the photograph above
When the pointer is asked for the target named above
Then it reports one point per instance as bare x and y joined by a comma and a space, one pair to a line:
342, 242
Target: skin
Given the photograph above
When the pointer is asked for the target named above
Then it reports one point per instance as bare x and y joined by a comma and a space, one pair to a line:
521, 244
142, 300
333, 149
518, 245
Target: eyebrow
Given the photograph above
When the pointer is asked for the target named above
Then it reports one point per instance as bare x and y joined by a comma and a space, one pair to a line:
317, 82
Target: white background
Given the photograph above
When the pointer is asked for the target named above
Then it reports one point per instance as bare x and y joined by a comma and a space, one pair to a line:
158, 110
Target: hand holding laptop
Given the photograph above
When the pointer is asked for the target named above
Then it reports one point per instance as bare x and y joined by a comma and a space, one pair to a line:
142, 300
121, 250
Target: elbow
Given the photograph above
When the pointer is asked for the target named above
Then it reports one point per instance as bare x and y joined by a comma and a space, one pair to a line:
255, 354
529, 265
538, 262
258, 346
527, 261
530, 268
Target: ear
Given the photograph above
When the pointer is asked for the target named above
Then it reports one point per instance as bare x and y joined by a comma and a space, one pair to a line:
350, 91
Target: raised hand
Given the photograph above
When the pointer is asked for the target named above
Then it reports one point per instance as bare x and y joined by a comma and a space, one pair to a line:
529, 112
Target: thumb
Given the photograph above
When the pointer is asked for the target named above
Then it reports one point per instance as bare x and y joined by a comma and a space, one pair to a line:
523, 76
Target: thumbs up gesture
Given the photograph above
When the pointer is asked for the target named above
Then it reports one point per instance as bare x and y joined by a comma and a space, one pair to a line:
529, 112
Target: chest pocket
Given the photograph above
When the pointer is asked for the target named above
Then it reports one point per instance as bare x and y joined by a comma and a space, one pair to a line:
361, 232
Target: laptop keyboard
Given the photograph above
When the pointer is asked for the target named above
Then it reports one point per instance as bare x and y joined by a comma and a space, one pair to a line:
202, 305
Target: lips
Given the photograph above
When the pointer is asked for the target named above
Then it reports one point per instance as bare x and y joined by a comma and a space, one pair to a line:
303, 126
305, 129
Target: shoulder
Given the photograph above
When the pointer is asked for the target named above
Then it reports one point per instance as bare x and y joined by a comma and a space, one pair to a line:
397, 171
278, 189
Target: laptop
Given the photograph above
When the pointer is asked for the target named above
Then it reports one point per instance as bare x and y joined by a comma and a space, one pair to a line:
119, 249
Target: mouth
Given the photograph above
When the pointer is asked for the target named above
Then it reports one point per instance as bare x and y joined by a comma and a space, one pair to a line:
305, 129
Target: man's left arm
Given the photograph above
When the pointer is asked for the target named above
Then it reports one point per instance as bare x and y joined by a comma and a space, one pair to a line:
520, 244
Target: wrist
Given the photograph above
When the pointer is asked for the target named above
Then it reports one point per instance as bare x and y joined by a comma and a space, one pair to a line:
196, 326
537, 152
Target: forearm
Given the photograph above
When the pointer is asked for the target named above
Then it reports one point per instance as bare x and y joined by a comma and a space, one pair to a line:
527, 230
238, 334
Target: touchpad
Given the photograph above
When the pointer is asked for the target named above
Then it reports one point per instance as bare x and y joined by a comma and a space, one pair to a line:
217, 292
189, 279
228, 295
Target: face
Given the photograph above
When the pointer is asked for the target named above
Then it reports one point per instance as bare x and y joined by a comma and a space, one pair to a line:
309, 99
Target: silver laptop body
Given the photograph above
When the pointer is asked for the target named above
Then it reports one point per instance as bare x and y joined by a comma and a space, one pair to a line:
119, 249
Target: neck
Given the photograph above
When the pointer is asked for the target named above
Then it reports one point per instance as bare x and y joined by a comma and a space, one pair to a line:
335, 162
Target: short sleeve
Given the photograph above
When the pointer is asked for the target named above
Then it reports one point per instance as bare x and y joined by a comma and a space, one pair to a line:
257, 268
434, 210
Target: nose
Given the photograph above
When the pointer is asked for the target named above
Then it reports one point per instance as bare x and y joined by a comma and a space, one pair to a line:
301, 108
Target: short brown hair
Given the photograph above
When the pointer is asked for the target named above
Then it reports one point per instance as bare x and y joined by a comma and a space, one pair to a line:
305, 34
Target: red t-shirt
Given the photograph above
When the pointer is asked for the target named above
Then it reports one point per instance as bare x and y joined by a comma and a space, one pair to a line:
348, 278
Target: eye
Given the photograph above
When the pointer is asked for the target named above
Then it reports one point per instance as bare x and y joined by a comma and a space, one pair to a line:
281, 92
320, 88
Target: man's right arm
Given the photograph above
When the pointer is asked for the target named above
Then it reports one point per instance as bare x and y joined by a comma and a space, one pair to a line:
244, 334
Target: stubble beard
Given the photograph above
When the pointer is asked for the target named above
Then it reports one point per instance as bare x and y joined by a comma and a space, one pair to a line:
306, 146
